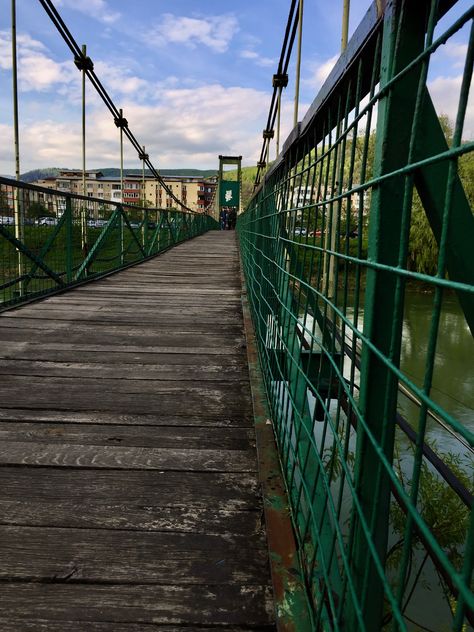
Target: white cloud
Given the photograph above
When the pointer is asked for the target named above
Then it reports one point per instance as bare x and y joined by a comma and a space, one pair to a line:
215, 32
98, 9
182, 127
445, 94
319, 72
120, 80
36, 69
265, 62
456, 51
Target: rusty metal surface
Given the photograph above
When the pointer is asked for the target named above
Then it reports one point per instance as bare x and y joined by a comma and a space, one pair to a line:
290, 597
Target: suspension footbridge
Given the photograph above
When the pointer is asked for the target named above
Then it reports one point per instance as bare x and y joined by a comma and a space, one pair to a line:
211, 429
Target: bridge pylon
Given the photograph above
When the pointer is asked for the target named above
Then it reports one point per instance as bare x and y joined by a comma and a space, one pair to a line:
229, 191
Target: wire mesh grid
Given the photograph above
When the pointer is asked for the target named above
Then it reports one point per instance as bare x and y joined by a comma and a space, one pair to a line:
383, 516
50, 240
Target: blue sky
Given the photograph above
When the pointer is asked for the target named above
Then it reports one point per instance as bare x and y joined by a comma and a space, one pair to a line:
193, 78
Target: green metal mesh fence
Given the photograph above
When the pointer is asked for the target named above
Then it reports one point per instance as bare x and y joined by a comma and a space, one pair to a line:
50, 240
332, 255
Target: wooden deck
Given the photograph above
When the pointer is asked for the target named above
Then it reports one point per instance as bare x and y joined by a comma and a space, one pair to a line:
129, 498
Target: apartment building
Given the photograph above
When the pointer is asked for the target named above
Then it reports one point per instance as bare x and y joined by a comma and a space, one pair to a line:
195, 192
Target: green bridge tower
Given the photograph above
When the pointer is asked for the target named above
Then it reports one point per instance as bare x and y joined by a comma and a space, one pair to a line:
228, 191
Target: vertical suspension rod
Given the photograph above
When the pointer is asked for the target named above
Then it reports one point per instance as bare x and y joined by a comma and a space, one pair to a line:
298, 62
16, 193
345, 24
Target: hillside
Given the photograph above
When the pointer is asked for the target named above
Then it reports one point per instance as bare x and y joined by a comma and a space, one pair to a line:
37, 174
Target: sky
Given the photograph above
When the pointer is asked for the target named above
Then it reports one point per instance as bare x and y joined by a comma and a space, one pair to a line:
194, 78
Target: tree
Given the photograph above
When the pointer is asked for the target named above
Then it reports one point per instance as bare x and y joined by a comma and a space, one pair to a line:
36, 210
423, 248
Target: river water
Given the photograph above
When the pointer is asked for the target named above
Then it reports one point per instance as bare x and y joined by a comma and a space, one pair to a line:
453, 390
453, 378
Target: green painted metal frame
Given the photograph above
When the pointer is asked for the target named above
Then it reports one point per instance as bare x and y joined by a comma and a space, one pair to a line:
333, 385
55, 250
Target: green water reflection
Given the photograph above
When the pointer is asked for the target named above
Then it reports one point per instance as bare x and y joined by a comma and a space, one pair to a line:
453, 377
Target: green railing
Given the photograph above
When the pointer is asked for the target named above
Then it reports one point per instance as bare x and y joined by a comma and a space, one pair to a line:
331, 249
50, 240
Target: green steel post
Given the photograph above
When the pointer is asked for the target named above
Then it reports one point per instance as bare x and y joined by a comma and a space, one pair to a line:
145, 230
121, 234
403, 40
431, 183
45, 249
69, 239
20, 246
111, 224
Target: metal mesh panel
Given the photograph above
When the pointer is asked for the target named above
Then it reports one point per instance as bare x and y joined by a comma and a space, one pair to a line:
50, 240
327, 247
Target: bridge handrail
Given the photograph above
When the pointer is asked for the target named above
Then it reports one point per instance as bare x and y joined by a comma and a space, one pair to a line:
52, 239
325, 244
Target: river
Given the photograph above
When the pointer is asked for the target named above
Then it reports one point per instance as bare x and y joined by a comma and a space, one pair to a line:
453, 390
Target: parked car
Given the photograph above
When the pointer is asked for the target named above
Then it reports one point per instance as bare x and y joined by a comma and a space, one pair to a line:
47, 221
300, 231
7, 220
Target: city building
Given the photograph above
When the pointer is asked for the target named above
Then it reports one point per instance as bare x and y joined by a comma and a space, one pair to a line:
193, 191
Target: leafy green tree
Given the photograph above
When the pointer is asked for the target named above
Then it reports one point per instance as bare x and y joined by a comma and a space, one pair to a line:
36, 210
423, 248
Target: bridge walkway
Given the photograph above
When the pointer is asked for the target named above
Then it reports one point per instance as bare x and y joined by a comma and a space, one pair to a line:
129, 493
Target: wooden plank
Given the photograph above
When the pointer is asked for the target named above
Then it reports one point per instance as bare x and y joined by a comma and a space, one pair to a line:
132, 417
122, 556
106, 515
188, 605
99, 371
148, 317
40, 327
178, 400
116, 356
182, 437
175, 340
37, 346
90, 385
134, 488
123, 457
13, 624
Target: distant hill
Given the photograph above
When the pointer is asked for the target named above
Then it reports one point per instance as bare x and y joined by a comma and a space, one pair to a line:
38, 174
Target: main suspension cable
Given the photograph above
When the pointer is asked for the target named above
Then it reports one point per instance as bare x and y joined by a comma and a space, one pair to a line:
84, 62
280, 80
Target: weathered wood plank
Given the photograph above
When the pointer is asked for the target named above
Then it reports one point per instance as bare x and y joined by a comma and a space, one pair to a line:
151, 330
182, 437
115, 356
91, 386
177, 340
125, 418
123, 457
99, 371
134, 488
191, 605
174, 519
13, 624
118, 556
178, 400
118, 347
